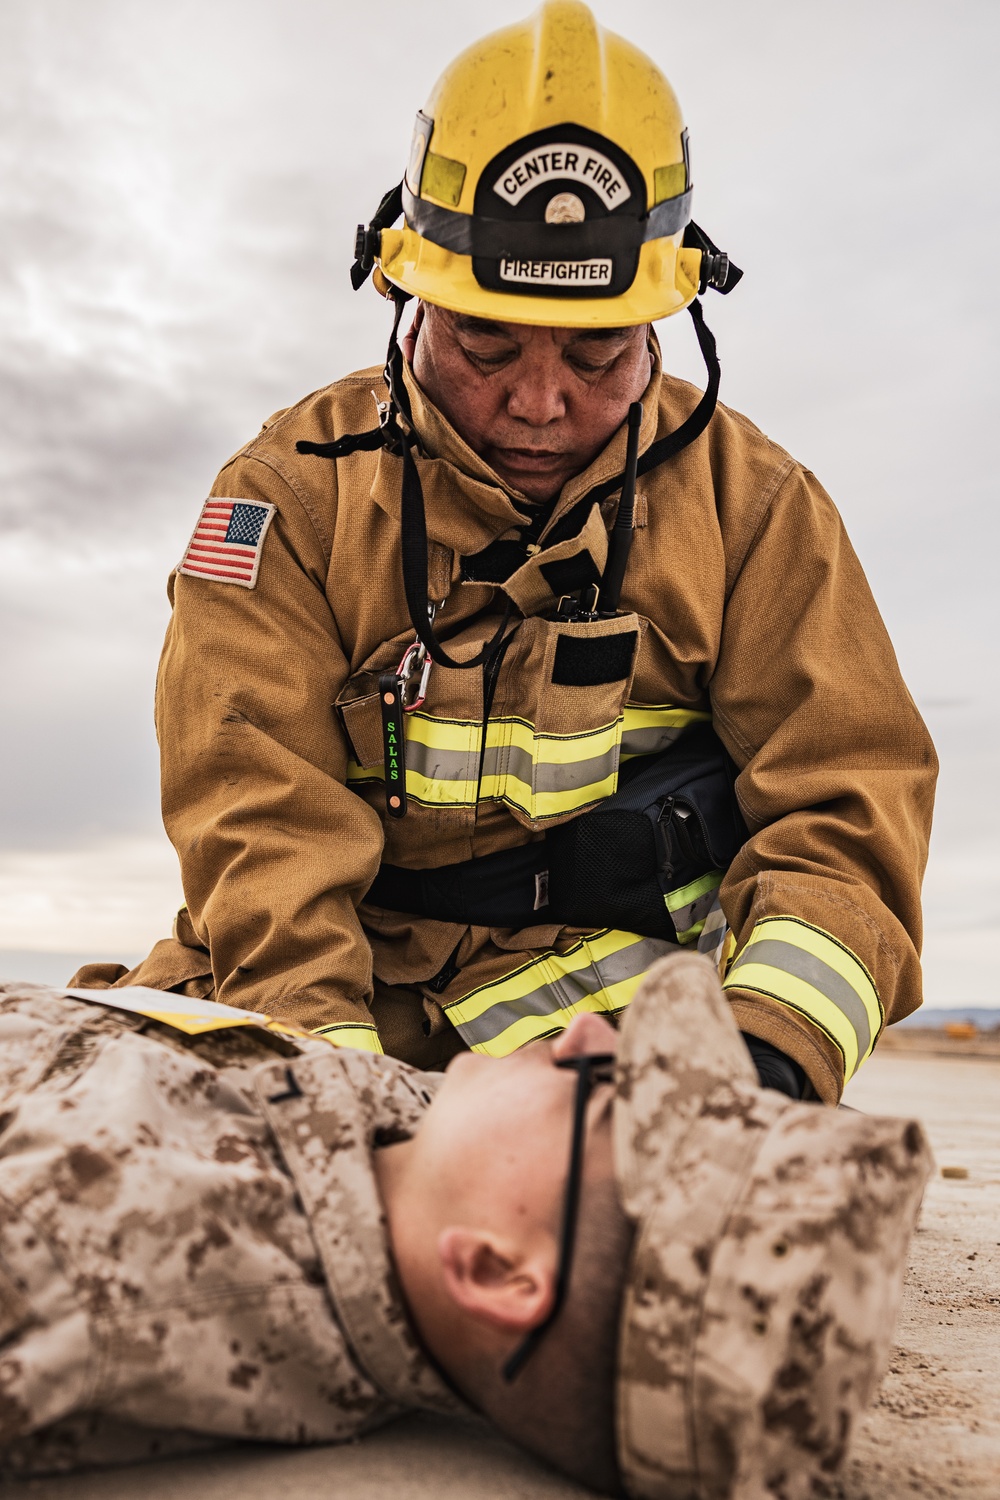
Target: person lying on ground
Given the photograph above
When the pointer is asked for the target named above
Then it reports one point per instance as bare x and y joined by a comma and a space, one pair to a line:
618, 1249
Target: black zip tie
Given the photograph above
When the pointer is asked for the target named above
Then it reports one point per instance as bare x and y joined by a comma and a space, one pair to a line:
343, 447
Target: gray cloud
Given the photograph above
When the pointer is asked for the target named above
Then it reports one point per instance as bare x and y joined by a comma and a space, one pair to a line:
178, 190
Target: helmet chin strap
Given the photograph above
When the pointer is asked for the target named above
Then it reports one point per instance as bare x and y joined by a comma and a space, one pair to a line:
396, 434
413, 517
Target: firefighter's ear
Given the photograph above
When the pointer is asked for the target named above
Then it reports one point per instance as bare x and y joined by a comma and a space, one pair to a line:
496, 1281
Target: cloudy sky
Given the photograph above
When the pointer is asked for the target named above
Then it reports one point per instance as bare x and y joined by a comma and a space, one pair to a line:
178, 190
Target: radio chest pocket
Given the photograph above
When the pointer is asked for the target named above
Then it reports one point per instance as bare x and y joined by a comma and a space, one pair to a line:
553, 738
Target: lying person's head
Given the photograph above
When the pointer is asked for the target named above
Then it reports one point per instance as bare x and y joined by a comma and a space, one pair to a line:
736, 1267
475, 1203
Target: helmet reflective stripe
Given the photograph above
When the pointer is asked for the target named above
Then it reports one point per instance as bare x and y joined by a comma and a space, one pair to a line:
468, 234
811, 972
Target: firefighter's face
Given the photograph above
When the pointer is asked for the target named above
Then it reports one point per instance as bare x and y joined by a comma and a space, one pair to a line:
538, 404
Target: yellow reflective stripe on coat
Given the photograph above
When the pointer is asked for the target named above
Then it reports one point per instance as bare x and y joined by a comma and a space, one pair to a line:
598, 973
811, 972
350, 1034
690, 904
716, 940
543, 775
442, 761
549, 775
651, 727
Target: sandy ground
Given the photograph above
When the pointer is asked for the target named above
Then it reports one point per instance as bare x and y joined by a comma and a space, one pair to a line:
934, 1430
935, 1427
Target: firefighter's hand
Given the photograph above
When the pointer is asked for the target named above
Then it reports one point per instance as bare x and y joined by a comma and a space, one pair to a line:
774, 1069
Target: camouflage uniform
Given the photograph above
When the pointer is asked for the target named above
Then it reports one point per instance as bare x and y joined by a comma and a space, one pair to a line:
765, 1279
191, 1237
192, 1245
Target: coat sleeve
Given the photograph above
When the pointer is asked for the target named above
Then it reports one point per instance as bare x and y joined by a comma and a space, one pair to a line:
837, 787
275, 851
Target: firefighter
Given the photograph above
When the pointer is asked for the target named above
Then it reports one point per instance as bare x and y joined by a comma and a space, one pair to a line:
497, 673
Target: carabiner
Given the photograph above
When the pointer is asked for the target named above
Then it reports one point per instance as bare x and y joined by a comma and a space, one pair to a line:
415, 659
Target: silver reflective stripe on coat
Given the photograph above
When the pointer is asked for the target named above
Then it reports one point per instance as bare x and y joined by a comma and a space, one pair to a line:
600, 972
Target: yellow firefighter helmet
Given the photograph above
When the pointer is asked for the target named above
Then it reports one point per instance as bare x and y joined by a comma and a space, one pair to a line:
548, 182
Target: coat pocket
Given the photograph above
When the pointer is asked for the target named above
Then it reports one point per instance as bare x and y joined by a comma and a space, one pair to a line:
362, 721
553, 741
442, 737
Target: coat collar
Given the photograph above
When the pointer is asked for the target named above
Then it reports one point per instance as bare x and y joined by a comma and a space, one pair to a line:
326, 1118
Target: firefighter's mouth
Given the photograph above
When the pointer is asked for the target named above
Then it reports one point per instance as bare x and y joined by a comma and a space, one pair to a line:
530, 460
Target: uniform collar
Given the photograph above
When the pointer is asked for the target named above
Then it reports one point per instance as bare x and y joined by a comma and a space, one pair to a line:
327, 1116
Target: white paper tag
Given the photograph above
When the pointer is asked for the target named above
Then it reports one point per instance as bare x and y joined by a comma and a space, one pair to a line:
186, 1014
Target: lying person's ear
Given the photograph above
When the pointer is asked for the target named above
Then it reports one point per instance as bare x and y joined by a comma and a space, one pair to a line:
494, 1280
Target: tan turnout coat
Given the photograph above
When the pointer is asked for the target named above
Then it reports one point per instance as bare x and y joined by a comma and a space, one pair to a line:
749, 605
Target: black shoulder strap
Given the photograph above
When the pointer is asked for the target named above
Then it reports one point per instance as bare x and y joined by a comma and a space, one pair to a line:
413, 520
343, 447
691, 428
413, 516
414, 559
657, 453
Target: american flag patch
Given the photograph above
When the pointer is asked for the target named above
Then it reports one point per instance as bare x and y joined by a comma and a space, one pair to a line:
227, 541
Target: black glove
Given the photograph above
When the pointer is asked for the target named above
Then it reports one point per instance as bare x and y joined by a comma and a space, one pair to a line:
774, 1069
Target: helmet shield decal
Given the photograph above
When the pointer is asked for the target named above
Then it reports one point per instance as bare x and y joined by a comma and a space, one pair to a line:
559, 180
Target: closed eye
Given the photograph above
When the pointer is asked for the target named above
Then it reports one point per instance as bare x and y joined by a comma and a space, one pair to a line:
489, 360
597, 350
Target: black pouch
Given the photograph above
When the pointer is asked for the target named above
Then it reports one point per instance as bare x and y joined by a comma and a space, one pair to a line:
631, 862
